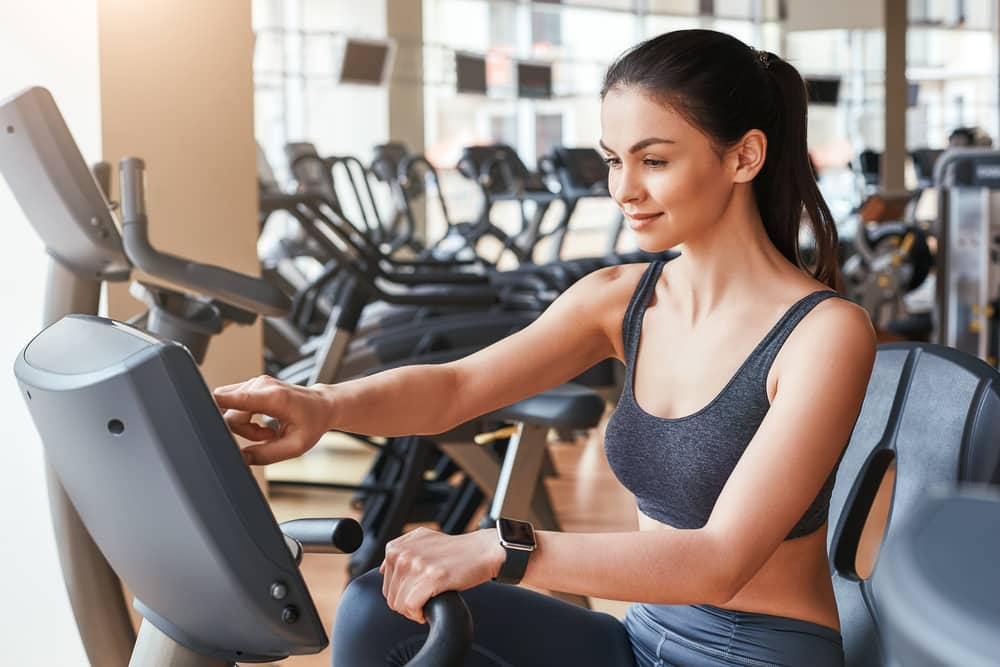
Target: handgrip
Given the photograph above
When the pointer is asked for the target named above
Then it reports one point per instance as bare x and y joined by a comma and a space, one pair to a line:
332, 536
131, 174
231, 287
450, 632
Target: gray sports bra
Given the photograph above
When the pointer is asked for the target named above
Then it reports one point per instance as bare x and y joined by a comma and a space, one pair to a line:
677, 467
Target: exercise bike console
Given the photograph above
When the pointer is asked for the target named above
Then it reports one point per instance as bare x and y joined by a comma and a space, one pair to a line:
57, 191
160, 485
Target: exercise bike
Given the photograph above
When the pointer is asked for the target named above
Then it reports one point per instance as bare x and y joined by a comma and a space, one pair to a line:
48, 176
136, 440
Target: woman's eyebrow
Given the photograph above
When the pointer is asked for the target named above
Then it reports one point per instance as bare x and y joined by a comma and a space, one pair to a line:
639, 145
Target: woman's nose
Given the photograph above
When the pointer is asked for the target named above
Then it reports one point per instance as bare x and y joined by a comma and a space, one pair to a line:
624, 186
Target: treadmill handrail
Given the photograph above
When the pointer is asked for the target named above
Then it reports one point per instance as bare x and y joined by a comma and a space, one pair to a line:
223, 284
375, 281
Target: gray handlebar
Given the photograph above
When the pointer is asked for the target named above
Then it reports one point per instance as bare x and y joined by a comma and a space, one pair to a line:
333, 536
231, 287
449, 635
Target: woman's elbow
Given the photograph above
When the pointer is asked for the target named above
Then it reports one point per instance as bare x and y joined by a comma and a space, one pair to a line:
726, 575
732, 574
712, 585
722, 586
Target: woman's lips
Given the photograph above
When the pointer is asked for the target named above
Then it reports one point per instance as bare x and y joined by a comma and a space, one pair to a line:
637, 221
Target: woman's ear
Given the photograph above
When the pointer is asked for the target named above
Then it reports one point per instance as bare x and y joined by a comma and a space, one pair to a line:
748, 155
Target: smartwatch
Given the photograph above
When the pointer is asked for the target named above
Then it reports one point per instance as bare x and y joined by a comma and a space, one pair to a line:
518, 540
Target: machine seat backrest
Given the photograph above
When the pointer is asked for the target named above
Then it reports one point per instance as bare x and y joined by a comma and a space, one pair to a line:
389, 161
933, 410
310, 170
869, 162
582, 169
924, 160
504, 165
386, 159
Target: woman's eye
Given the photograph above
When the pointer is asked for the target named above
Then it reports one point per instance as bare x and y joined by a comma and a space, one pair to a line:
612, 161
651, 162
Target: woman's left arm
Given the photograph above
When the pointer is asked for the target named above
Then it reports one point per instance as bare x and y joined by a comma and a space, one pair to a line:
824, 371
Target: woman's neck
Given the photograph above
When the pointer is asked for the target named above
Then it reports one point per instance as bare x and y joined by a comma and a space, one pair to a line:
732, 259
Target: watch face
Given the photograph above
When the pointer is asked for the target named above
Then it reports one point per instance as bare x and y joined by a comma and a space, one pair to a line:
516, 532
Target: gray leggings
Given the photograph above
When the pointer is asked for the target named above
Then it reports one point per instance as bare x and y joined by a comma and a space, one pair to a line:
516, 627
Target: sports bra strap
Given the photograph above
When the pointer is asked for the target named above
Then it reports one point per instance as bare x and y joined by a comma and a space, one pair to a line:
767, 350
632, 322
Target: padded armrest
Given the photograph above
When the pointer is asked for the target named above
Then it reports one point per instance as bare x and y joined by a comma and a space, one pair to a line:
568, 406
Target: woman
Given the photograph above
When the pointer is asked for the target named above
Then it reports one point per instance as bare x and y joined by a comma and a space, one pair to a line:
745, 375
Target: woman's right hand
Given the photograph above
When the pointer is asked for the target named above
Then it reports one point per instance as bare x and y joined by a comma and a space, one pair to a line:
302, 413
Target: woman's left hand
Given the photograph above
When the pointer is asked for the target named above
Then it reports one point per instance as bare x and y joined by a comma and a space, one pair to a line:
423, 563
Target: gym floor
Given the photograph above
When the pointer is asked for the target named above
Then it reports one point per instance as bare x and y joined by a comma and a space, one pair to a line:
585, 494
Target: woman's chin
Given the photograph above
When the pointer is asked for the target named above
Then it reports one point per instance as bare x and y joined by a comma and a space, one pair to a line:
649, 243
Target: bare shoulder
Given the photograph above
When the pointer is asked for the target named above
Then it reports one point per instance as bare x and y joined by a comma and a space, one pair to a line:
619, 275
606, 289
836, 330
596, 304
840, 319
601, 298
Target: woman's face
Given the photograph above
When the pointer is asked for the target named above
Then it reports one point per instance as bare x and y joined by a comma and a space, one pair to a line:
665, 175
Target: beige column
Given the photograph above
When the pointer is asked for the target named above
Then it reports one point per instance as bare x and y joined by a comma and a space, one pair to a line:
894, 155
177, 90
405, 24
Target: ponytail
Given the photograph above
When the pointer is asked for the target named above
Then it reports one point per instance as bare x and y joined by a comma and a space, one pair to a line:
787, 185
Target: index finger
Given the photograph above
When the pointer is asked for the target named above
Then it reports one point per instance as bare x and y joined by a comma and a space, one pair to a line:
233, 397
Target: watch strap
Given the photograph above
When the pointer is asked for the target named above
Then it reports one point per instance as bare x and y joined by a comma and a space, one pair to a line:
514, 566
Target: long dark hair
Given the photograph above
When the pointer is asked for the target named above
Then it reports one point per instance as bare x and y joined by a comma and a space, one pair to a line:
726, 88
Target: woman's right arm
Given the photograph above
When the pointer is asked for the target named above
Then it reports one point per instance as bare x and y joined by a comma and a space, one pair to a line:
578, 330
